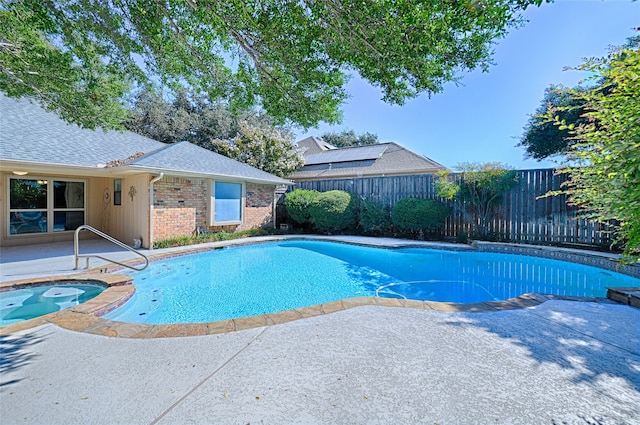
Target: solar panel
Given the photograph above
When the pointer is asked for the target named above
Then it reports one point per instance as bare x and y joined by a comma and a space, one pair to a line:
344, 155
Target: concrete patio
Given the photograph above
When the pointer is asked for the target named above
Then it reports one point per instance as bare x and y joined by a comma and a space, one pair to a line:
31, 261
559, 362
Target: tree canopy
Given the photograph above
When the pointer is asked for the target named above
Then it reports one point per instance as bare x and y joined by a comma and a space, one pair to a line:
542, 138
605, 183
80, 57
480, 187
250, 137
262, 146
349, 138
186, 117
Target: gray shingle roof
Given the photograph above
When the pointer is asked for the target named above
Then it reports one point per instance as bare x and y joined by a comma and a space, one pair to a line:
394, 160
28, 133
312, 145
185, 157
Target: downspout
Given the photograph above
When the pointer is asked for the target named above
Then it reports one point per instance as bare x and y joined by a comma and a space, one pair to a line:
151, 202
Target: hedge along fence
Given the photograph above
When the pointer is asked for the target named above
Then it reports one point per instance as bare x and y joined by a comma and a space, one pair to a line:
522, 216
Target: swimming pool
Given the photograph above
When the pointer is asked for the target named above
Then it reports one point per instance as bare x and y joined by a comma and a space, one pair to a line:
266, 278
26, 303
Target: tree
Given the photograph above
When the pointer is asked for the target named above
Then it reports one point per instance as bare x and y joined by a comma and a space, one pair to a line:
166, 122
79, 57
264, 147
605, 183
186, 117
74, 82
479, 189
348, 138
248, 137
542, 138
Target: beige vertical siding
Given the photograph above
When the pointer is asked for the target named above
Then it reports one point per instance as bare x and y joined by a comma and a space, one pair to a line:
93, 210
130, 220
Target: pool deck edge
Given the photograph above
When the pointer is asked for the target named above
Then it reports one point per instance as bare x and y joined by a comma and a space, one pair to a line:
86, 318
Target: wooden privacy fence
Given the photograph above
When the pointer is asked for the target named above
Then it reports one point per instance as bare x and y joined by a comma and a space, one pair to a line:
523, 216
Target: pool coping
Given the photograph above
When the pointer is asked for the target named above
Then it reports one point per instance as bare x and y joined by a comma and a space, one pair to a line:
86, 318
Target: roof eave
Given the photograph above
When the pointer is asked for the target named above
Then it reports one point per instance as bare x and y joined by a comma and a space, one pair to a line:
182, 173
98, 171
8, 165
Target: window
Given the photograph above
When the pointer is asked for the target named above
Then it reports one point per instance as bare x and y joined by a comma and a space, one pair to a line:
117, 192
33, 203
27, 206
227, 203
68, 205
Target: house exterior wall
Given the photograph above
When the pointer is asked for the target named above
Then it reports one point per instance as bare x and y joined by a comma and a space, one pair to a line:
180, 207
130, 220
259, 207
93, 209
124, 222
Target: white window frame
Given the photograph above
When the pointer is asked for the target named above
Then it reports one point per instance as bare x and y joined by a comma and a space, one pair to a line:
50, 210
212, 202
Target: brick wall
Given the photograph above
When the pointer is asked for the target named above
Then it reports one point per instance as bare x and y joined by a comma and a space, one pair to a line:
258, 206
180, 206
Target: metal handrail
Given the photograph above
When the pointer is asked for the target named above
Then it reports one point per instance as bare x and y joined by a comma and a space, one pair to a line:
110, 239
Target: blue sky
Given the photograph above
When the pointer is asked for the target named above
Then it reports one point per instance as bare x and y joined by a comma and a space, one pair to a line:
482, 119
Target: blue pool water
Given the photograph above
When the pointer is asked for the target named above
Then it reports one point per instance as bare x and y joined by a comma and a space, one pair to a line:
27, 303
267, 278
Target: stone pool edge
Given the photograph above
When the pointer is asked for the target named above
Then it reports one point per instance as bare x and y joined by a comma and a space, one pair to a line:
86, 318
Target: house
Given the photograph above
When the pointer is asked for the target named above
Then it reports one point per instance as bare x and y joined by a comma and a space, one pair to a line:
324, 161
313, 145
56, 176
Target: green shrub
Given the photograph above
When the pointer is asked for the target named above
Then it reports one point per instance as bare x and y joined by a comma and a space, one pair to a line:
462, 237
298, 204
333, 211
419, 216
373, 218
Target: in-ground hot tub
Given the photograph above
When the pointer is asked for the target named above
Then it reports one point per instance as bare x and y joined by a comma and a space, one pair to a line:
29, 301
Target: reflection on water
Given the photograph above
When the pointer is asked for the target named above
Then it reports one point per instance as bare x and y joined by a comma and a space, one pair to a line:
459, 276
267, 278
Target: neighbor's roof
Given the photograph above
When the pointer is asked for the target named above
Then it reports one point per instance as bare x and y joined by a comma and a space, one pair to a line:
31, 136
312, 145
346, 155
384, 159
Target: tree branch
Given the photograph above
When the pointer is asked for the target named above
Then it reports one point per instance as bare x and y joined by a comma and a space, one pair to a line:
182, 38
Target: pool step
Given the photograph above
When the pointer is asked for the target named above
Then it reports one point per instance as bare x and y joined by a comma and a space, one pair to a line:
629, 296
